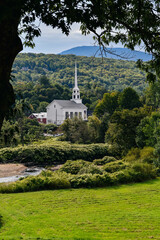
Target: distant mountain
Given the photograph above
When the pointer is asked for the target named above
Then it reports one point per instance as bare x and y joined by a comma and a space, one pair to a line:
115, 53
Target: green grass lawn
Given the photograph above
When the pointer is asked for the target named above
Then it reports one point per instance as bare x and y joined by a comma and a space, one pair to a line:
123, 212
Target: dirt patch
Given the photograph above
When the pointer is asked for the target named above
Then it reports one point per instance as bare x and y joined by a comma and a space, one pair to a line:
57, 167
8, 170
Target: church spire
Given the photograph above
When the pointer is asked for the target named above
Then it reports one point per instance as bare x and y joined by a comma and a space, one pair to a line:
76, 92
75, 83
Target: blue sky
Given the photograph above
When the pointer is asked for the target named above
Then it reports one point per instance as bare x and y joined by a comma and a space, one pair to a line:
53, 41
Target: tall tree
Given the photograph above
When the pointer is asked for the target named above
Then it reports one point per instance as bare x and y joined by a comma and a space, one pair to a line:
128, 21
129, 99
148, 131
108, 104
122, 128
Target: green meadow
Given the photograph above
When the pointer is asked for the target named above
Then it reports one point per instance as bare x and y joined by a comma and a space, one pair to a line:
122, 212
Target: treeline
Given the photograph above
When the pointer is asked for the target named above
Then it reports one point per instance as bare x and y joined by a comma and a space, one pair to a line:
39, 94
92, 72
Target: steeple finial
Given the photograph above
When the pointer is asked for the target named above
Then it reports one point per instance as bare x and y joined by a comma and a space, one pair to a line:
76, 85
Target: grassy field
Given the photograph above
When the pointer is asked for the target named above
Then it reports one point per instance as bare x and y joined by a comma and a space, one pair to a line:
123, 212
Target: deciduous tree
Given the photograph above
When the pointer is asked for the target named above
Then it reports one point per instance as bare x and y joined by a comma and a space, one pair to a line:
108, 104
129, 99
122, 128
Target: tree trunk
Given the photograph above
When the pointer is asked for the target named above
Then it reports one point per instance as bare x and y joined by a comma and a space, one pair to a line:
10, 46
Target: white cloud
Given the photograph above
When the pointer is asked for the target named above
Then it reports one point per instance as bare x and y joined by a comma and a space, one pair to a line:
53, 41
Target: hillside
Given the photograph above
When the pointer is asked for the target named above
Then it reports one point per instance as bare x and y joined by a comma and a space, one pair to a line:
92, 72
114, 53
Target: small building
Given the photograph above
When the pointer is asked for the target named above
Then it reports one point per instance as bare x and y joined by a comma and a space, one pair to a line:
40, 117
59, 110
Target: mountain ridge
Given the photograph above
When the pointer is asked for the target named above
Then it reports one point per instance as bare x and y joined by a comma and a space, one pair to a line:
114, 53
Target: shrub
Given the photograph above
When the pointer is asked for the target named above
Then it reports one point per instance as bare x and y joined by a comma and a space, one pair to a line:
104, 160
74, 167
122, 176
138, 172
114, 166
55, 181
47, 173
142, 171
92, 169
147, 154
89, 180
115, 150
144, 155
47, 154
133, 155
50, 128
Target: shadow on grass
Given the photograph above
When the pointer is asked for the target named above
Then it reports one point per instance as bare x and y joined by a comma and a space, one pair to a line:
1, 221
131, 184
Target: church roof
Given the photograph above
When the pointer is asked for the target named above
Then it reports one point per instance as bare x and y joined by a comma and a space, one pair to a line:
69, 104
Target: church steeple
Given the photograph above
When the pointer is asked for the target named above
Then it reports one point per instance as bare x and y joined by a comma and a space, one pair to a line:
76, 85
76, 92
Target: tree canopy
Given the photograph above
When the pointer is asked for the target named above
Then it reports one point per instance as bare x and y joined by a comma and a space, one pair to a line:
129, 99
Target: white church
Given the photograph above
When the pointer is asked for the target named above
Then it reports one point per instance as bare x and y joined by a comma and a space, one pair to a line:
59, 110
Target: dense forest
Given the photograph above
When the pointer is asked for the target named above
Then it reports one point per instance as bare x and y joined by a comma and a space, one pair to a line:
40, 78
109, 73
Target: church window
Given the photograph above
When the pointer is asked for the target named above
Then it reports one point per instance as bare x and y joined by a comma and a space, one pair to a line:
78, 96
85, 114
54, 106
66, 115
76, 114
74, 96
80, 115
71, 115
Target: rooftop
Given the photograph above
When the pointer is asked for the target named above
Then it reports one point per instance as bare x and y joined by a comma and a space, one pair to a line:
70, 104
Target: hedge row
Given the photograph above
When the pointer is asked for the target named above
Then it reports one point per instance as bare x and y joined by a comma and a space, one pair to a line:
51, 154
138, 172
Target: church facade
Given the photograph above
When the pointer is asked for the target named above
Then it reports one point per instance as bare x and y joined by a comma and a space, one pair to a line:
59, 110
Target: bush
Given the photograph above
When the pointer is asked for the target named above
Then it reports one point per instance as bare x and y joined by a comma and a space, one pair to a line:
47, 154
115, 150
147, 155
133, 155
114, 166
104, 160
74, 167
92, 169
89, 180
142, 171
143, 155
50, 128
138, 172
55, 181
122, 176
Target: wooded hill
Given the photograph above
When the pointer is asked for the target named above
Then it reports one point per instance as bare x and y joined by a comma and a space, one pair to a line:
114, 53
110, 74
